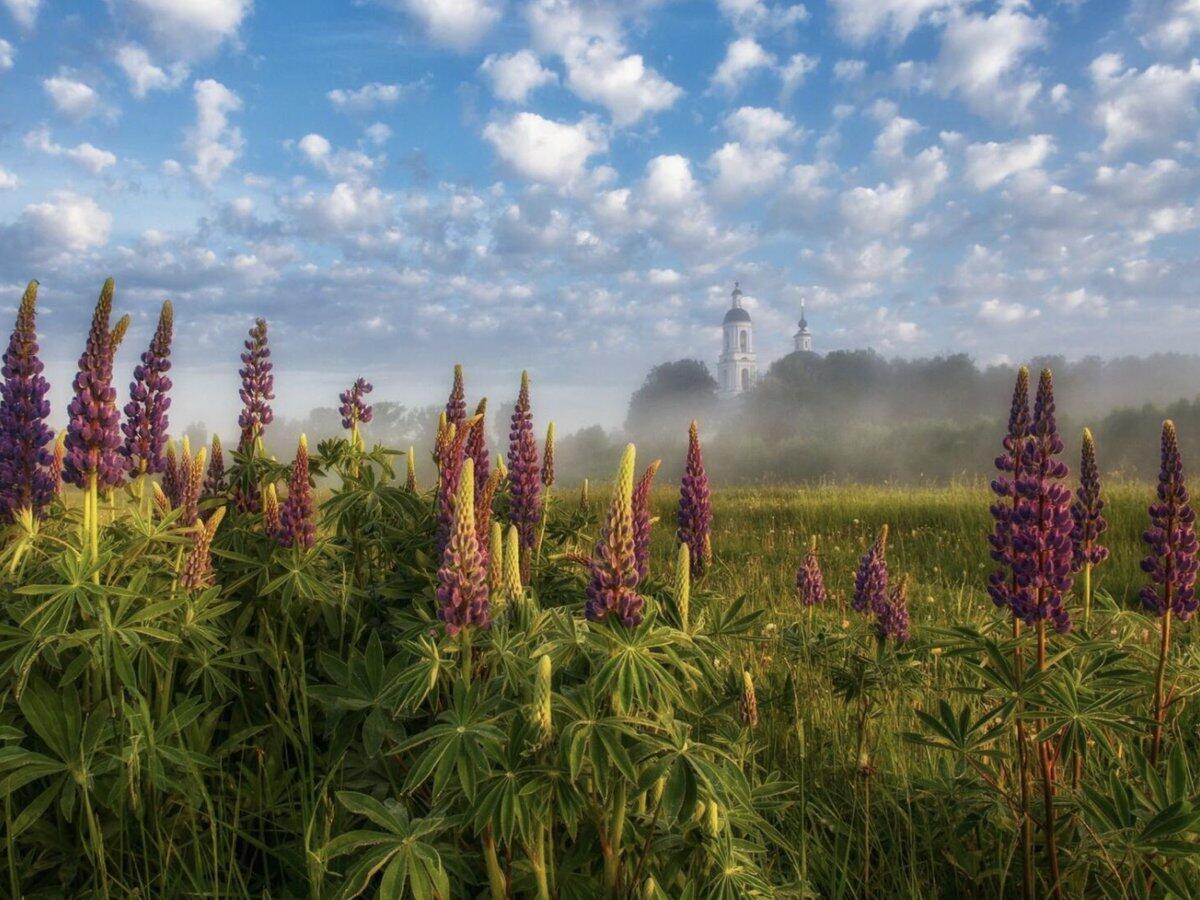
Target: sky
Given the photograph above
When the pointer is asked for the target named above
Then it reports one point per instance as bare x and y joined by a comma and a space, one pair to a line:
572, 186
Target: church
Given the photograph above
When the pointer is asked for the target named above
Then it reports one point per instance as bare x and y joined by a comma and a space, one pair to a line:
737, 366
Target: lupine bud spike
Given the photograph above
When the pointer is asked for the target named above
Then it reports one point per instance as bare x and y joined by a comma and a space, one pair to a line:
748, 706
543, 695
410, 480
642, 519
93, 432
496, 591
612, 587
1171, 561
525, 500
514, 590
548, 458
695, 505
683, 585
146, 420
462, 579
297, 526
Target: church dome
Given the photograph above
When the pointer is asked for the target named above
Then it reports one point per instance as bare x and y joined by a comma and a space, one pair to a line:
736, 314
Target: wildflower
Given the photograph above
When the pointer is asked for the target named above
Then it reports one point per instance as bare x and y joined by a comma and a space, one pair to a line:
477, 449
871, 582
214, 478
450, 465
456, 405
146, 420
613, 582
462, 579
192, 483
197, 571
683, 585
891, 620
26, 483
642, 520
548, 458
1087, 512
93, 432
271, 518
297, 528
810, 582
543, 711
172, 488
119, 331
695, 506
1171, 562
1002, 584
354, 409
410, 481
525, 502
748, 704
258, 385
585, 500
514, 589
483, 512
496, 595
57, 457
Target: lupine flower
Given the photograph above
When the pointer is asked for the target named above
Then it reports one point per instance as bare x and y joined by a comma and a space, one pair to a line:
296, 527
683, 585
871, 581
57, 458
119, 331
810, 582
642, 519
354, 409
26, 482
514, 589
748, 703
189, 502
160, 500
197, 571
1041, 542
585, 500
450, 466
543, 696
891, 620
478, 451
1002, 584
548, 458
271, 519
456, 405
172, 488
410, 480
441, 438
258, 386
483, 512
146, 420
93, 432
496, 594
695, 506
524, 483
612, 587
1087, 512
462, 579
214, 478
1171, 562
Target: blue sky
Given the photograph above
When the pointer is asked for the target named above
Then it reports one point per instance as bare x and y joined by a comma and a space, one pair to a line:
572, 186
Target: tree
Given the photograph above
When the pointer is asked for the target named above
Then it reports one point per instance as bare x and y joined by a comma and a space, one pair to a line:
672, 395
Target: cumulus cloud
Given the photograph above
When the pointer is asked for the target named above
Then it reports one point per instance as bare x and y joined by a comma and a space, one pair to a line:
757, 15
1140, 107
601, 72
8, 181
346, 208
24, 12
669, 184
545, 151
64, 223
186, 29
71, 97
795, 70
1169, 25
341, 164
743, 57
515, 75
861, 21
1001, 312
371, 96
458, 24
7, 55
991, 163
745, 171
759, 125
144, 76
85, 155
214, 143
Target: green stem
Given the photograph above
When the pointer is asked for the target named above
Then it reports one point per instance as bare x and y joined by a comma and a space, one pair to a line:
497, 882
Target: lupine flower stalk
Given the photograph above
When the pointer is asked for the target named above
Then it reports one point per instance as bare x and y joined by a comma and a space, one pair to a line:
93, 460
456, 404
683, 586
871, 581
748, 703
214, 478
57, 458
514, 588
297, 527
1003, 584
524, 479
496, 593
172, 488
548, 459
1171, 562
410, 480
891, 621
355, 410
26, 483
483, 512
612, 586
477, 448
695, 506
642, 520
257, 392
194, 482
197, 571
146, 420
462, 579
272, 520
1087, 516
543, 695
119, 331
810, 582
450, 466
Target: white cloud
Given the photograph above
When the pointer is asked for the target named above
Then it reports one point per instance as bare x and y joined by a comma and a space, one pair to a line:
981, 57
545, 151
850, 70
863, 20
71, 97
795, 70
8, 181
341, 164
7, 55
759, 125
24, 12
669, 183
1080, 301
756, 15
600, 72
743, 57
515, 75
144, 76
1001, 312
66, 222
746, 171
991, 163
370, 96
85, 155
346, 208
377, 133
188, 29
459, 24
1143, 107
214, 143
1170, 25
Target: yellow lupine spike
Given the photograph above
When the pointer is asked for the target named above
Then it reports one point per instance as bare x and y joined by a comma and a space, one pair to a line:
683, 585
496, 568
411, 477
513, 588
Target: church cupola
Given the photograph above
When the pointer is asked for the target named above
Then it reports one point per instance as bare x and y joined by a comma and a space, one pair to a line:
803, 336
737, 367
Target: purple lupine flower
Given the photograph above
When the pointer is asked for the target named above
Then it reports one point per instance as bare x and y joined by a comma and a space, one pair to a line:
1087, 512
642, 519
613, 577
891, 620
146, 420
26, 482
93, 429
296, 526
354, 408
452, 455
871, 580
1041, 540
172, 479
258, 386
524, 479
462, 589
1002, 583
810, 582
214, 478
695, 506
478, 452
456, 404
1171, 538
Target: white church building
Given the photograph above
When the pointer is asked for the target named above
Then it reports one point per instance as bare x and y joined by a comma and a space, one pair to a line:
737, 366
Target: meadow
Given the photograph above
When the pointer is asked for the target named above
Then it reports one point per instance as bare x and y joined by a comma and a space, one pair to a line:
226, 675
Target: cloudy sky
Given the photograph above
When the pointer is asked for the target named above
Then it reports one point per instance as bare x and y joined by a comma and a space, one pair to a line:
572, 185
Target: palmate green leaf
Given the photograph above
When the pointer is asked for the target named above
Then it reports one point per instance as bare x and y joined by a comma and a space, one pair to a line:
459, 744
596, 737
